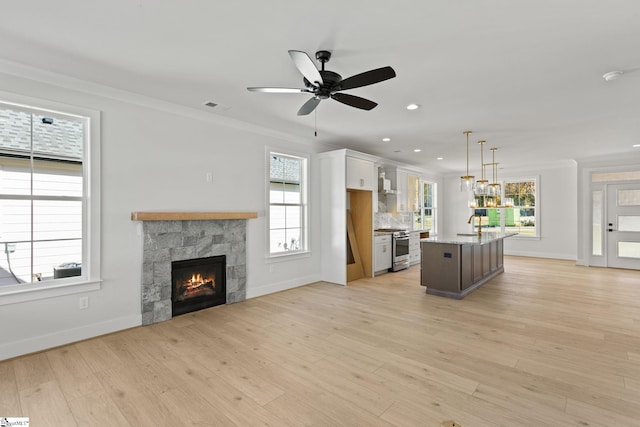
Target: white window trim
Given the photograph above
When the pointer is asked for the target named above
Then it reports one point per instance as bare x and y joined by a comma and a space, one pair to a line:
536, 209
91, 273
304, 253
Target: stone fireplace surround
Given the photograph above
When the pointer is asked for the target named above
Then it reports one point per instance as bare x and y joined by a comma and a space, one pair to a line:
174, 236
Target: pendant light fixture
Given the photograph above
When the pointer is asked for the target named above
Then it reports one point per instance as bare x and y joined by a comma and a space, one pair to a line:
467, 181
482, 185
494, 188
485, 194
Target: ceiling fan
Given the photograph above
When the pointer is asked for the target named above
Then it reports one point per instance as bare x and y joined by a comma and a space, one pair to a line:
324, 84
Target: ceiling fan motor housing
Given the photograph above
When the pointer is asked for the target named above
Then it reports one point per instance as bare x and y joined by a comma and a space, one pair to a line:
329, 79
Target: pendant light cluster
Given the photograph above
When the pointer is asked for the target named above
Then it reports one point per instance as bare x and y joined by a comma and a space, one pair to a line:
485, 194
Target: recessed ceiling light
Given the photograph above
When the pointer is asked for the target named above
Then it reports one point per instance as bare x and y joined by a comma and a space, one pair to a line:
636, 145
439, 158
386, 139
417, 150
612, 75
413, 107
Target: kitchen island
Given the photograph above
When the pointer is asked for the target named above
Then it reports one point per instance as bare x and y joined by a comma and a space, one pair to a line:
454, 266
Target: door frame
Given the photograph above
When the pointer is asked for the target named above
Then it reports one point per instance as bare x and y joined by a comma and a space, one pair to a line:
585, 208
613, 233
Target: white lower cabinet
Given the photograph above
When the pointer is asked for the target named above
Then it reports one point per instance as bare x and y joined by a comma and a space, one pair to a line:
414, 247
383, 253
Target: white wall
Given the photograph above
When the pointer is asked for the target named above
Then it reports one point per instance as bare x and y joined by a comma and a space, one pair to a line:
558, 201
155, 159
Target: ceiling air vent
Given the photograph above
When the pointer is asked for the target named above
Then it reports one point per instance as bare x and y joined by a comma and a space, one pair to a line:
216, 106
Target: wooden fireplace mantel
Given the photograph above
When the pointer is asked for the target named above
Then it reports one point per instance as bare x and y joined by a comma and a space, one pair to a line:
190, 216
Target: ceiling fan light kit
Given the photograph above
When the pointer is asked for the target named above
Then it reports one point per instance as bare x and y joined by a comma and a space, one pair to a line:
325, 84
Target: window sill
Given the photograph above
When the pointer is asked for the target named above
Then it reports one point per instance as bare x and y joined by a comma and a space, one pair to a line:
35, 291
287, 257
525, 237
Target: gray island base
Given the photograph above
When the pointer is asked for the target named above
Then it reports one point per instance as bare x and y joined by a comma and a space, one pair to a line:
455, 266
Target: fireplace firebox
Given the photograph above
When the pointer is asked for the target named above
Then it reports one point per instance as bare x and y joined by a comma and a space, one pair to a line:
197, 284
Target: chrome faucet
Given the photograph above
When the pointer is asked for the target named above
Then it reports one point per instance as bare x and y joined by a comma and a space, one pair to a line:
479, 223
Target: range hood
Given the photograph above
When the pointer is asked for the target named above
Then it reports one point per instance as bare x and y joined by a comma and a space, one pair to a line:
384, 184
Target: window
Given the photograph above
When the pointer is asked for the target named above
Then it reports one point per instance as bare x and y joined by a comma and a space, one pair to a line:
522, 218
287, 204
597, 208
425, 217
44, 187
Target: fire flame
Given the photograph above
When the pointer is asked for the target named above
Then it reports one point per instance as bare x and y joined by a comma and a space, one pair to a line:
198, 281
196, 286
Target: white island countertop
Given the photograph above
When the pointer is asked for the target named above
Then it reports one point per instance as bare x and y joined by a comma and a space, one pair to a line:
468, 239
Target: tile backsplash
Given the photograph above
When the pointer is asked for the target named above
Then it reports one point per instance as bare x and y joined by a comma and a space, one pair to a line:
389, 220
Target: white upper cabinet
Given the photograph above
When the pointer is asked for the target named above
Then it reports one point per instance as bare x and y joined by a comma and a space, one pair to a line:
402, 183
405, 191
413, 193
360, 174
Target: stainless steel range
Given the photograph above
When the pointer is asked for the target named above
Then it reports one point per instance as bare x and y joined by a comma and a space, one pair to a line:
399, 248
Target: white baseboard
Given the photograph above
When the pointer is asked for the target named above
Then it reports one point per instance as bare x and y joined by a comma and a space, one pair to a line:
541, 255
281, 286
43, 342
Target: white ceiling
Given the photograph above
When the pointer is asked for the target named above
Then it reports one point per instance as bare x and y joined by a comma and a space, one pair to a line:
524, 75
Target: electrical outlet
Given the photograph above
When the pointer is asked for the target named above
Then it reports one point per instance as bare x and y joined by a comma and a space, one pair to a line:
83, 303
9, 248
209, 177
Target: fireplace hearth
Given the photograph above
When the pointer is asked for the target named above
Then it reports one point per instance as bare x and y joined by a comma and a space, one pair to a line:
198, 283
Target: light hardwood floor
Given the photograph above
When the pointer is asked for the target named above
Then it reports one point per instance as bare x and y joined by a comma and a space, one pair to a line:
547, 343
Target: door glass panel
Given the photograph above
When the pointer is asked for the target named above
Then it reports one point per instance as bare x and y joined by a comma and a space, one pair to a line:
629, 223
629, 249
628, 197
596, 227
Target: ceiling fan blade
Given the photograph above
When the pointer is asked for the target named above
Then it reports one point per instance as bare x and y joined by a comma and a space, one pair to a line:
366, 78
354, 101
309, 106
306, 66
276, 90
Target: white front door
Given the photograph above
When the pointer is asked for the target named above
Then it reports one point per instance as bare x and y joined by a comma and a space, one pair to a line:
623, 226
